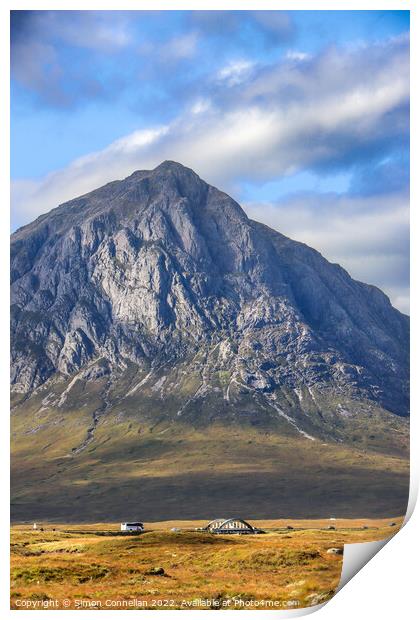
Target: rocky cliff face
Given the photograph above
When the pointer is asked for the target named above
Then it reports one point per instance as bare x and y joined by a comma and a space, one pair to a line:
162, 271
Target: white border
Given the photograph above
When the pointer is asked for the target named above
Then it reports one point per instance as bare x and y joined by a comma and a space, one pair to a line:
392, 567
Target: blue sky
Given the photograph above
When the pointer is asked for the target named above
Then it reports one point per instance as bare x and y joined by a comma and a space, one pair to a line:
302, 116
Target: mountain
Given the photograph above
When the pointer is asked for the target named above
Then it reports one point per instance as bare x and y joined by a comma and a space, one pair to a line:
152, 313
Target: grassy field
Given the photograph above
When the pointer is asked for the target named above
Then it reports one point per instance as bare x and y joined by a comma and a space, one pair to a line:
94, 566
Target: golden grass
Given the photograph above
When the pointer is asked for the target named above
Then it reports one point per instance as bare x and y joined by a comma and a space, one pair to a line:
92, 566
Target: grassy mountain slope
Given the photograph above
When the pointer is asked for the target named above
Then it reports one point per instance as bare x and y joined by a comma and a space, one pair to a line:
142, 460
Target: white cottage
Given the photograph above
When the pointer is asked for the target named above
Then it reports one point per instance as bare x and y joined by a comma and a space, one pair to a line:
133, 526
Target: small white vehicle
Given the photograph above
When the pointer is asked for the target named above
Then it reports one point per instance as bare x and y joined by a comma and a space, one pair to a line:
133, 526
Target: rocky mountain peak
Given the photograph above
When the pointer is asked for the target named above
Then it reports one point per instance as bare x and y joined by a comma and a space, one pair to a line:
160, 266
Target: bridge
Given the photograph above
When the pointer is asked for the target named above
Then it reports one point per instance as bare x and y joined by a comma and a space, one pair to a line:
231, 526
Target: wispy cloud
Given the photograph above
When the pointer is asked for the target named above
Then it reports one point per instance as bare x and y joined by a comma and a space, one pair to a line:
296, 55
235, 72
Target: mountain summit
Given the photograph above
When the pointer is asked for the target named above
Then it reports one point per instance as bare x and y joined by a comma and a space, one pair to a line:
156, 302
161, 265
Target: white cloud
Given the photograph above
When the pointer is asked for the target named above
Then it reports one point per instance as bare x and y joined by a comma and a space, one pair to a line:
296, 55
200, 106
235, 72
